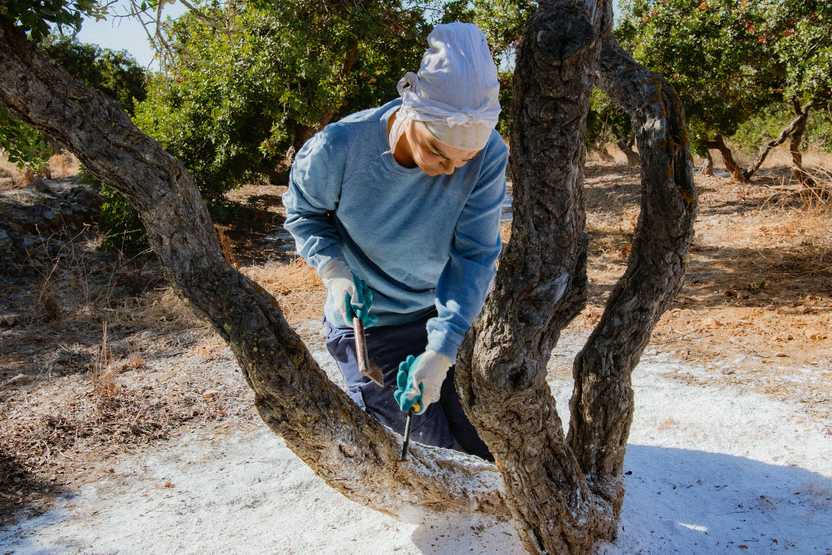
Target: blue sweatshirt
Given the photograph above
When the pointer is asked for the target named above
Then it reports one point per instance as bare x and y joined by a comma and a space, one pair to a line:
418, 242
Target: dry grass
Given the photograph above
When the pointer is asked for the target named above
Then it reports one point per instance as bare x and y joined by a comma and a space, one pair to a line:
10, 175
63, 164
756, 304
59, 166
295, 285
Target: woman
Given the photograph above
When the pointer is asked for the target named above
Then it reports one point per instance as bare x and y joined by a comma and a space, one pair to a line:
398, 209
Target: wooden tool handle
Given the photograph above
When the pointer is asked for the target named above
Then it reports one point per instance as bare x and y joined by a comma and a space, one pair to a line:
360, 345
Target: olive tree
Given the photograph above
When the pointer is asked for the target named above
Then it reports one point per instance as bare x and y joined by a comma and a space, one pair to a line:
563, 491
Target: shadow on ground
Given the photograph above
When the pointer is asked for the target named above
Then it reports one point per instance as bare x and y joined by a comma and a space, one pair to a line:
22, 494
688, 501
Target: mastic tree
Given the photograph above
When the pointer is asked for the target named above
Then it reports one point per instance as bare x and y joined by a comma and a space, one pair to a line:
246, 84
799, 36
716, 57
563, 492
734, 60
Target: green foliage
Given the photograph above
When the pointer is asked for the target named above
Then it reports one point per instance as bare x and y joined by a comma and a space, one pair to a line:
799, 35
762, 127
767, 124
606, 122
235, 100
736, 65
119, 223
25, 146
115, 73
504, 124
713, 54
35, 17
819, 130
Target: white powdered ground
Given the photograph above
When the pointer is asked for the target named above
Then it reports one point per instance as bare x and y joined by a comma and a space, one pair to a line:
709, 470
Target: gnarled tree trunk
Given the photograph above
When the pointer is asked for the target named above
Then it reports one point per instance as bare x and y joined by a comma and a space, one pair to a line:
708, 165
794, 144
626, 147
731, 165
564, 492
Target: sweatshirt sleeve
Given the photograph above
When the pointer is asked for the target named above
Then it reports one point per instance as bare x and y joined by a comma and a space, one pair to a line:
314, 190
466, 278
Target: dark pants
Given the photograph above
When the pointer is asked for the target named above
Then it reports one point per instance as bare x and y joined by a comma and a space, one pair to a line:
444, 424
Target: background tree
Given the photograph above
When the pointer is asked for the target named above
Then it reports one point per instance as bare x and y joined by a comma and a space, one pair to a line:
800, 35
715, 55
735, 61
563, 492
239, 96
608, 123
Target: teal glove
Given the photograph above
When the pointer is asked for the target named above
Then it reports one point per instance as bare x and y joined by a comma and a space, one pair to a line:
419, 381
405, 395
363, 302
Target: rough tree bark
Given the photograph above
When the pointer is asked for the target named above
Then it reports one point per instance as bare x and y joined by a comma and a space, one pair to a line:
718, 143
797, 124
564, 492
602, 400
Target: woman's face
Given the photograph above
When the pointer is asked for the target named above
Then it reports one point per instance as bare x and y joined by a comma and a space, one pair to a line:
433, 156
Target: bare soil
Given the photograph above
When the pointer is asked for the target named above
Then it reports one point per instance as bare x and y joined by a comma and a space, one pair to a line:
99, 358
754, 310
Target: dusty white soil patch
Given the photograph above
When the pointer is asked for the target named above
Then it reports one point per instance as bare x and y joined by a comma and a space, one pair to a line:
709, 470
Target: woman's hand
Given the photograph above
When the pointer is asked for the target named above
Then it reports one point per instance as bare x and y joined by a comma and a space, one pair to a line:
346, 295
419, 381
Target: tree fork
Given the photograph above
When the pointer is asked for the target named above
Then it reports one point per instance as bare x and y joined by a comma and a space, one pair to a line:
571, 495
798, 123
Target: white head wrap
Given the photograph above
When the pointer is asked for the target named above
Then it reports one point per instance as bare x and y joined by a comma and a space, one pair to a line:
456, 91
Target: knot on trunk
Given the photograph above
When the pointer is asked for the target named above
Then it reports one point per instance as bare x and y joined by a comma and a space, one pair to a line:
539, 302
563, 33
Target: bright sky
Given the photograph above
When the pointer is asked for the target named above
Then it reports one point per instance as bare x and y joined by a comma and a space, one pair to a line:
125, 33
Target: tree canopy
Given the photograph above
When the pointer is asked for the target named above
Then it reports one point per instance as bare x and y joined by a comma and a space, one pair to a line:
237, 94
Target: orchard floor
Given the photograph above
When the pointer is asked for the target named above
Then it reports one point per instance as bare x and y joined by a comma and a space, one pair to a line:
708, 470
155, 447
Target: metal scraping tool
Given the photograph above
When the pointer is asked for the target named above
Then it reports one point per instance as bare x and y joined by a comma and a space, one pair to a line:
407, 421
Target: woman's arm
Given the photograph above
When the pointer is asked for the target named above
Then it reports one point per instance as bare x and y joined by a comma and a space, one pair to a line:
313, 195
465, 280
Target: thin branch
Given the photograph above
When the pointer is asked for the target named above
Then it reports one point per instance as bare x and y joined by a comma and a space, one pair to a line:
784, 134
197, 12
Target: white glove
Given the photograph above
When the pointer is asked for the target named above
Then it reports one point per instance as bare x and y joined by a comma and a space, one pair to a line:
429, 370
337, 278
